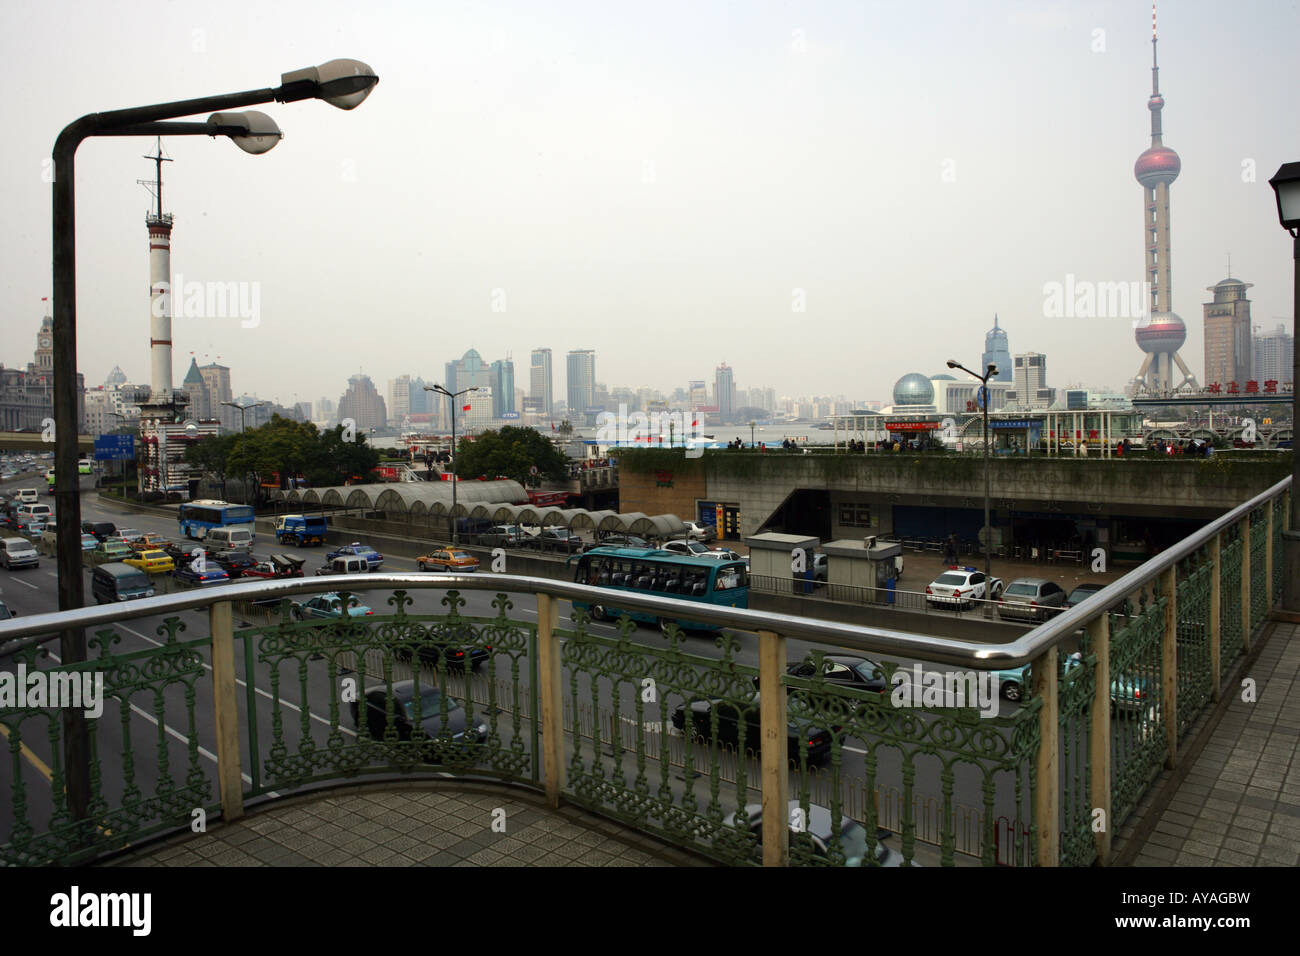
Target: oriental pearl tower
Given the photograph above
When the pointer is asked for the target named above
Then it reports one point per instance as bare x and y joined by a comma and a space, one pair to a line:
1161, 332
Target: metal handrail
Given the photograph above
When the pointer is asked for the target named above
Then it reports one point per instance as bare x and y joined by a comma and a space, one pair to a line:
41, 627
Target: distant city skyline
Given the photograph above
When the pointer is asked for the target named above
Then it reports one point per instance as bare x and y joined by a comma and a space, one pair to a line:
671, 197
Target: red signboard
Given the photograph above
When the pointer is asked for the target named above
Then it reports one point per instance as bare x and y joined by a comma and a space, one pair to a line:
913, 426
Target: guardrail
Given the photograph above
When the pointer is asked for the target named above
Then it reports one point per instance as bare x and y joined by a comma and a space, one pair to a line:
1019, 787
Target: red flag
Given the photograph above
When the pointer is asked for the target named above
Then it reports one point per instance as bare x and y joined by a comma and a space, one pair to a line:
465, 408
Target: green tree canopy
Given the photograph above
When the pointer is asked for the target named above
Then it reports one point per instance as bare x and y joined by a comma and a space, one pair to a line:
511, 452
286, 447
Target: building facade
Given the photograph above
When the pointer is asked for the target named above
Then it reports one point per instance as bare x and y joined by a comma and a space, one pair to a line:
363, 404
581, 382
27, 395
724, 392
540, 384
1274, 356
997, 351
1228, 355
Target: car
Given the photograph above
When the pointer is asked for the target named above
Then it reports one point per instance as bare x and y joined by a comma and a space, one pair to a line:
183, 555
329, 607
448, 560
817, 834
689, 548
89, 542
557, 539
847, 670
278, 566
504, 535
130, 534
720, 554
1128, 694
6, 612
29, 524
234, 563
698, 532
1032, 599
358, 550
624, 541
113, 549
100, 529
149, 541
210, 574
435, 728
18, 553
345, 565
729, 717
155, 561
1082, 592
961, 586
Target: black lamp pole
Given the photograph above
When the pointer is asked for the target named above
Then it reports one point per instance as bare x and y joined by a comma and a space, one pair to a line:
1286, 188
452, 396
988, 528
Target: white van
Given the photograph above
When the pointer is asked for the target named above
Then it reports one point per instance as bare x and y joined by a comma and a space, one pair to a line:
36, 511
229, 539
26, 495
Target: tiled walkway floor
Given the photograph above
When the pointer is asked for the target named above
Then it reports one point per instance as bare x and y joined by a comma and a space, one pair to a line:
432, 824
1240, 802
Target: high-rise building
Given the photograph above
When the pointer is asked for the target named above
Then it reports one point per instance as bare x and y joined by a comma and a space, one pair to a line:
1161, 333
724, 392
539, 381
697, 394
324, 409
469, 371
216, 379
200, 406
581, 382
399, 399
1227, 333
1031, 380
1274, 356
501, 375
997, 351
363, 404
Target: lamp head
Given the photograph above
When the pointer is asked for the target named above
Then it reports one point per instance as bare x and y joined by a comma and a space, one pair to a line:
1286, 188
341, 83
260, 131
951, 363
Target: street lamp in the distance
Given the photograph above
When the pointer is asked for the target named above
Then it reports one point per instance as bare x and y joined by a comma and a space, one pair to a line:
1286, 188
988, 527
243, 442
452, 396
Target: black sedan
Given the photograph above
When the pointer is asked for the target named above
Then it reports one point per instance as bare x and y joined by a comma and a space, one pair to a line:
430, 718
234, 563
1082, 592
847, 671
457, 642
730, 716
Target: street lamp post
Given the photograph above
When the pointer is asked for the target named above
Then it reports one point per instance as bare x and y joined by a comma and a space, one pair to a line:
988, 527
243, 442
342, 83
1286, 187
751, 434
452, 396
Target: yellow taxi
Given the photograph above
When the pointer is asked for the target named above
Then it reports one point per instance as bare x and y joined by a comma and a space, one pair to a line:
450, 560
154, 562
149, 541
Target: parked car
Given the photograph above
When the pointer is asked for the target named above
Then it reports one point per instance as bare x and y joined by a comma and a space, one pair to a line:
504, 536
154, 562
688, 548
726, 554
437, 748
624, 541
557, 539
817, 830
730, 715
329, 607
448, 560
699, 532
210, 574
960, 587
358, 550
1082, 592
1032, 599
18, 553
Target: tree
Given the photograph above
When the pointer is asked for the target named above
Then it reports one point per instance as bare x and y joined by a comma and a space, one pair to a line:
286, 447
511, 452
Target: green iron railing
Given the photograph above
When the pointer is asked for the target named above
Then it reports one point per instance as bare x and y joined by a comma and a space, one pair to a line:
663, 733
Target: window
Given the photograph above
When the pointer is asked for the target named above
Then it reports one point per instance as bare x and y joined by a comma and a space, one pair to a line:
855, 514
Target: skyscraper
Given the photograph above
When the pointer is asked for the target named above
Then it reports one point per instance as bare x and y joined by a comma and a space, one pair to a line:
1161, 333
469, 371
399, 399
363, 404
1031, 380
539, 381
1274, 355
1227, 333
502, 378
216, 381
997, 351
724, 392
581, 381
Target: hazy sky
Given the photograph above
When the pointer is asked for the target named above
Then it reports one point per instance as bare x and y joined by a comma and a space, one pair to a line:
652, 181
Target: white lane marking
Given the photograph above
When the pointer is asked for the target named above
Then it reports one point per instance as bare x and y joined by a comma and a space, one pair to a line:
856, 750
287, 703
27, 584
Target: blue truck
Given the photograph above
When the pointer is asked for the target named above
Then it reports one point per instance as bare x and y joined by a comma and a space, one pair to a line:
300, 530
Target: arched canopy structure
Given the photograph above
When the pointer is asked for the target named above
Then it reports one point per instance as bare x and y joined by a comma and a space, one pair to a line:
589, 520
401, 497
658, 526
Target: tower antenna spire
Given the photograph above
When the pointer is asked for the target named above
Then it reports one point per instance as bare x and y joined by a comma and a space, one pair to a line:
155, 185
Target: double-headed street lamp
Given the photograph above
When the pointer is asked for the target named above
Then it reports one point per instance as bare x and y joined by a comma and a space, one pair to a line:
243, 442
452, 396
988, 528
341, 83
1286, 187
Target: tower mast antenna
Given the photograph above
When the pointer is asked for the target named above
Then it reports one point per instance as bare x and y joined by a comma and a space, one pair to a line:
155, 185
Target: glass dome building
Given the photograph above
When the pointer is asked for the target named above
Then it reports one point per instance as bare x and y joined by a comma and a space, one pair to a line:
913, 389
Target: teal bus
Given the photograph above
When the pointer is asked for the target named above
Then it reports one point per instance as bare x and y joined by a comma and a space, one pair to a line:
705, 580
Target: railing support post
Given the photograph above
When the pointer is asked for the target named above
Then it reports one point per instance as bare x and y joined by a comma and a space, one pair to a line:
774, 749
1099, 734
1269, 596
226, 710
1245, 584
548, 658
1047, 793
1169, 664
1216, 612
